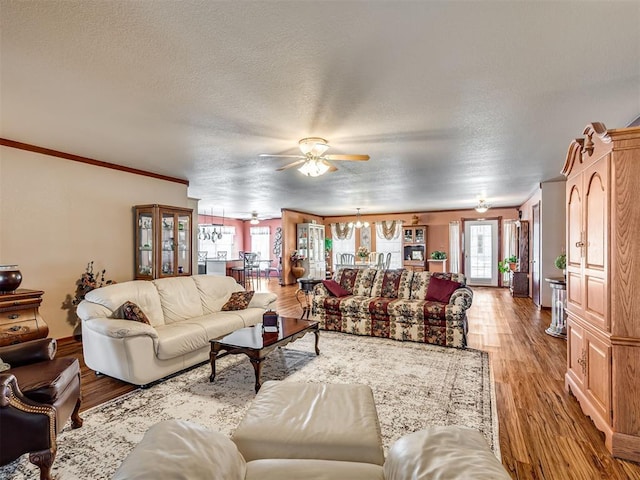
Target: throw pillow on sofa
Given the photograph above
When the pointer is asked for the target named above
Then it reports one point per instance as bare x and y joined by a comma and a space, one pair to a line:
238, 301
131, 311
335, 289
441, 289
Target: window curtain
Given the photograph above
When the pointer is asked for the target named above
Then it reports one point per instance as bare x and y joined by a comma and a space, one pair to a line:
260, 241
454, 247
389, 240
509, 244
343, 241
341, 231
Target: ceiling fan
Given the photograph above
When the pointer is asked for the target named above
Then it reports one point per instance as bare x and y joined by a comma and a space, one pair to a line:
313, 162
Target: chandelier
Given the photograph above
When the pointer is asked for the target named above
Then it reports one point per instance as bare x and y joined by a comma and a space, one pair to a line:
313, 148
482, 206
359, 223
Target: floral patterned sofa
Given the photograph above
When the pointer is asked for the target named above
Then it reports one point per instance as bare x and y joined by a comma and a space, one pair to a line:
395, 304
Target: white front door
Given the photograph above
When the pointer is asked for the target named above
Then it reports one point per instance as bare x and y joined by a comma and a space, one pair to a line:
481, 252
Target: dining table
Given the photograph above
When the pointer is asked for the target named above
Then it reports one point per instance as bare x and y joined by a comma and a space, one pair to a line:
357, 265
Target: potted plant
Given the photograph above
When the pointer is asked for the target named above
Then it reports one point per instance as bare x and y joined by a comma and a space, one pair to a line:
438, 255
507, 264
561, 263
503, 266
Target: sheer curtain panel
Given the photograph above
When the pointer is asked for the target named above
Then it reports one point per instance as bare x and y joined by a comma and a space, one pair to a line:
343, 241
389, 240
454, 247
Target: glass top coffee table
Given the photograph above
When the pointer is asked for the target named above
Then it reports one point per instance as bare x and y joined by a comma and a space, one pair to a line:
256, 344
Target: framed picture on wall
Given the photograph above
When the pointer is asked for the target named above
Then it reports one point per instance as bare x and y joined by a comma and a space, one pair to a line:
365, 237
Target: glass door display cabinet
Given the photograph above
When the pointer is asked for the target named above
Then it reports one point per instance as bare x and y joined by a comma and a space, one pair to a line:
163, 241
311, 247
414, 247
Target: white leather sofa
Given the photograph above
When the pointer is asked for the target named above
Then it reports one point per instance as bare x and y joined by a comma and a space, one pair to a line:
327, 432
184, 314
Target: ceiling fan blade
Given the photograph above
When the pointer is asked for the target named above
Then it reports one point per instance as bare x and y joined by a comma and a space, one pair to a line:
332, 168
291, 165
281, 156
351, 158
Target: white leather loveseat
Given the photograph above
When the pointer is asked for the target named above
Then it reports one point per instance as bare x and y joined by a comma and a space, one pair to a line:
184, 314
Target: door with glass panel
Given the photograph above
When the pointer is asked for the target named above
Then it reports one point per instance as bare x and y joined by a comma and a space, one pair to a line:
481, 252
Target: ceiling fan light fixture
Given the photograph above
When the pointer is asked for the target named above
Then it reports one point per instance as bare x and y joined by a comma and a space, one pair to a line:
254, 219
482, 206
314, 168
313, 146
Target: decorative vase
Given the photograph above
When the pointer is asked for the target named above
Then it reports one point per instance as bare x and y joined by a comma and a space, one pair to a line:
297, 271
10, 278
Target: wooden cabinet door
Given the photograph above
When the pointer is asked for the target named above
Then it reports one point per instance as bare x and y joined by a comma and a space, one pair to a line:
596, 226
576, 358
575, 212
598, 379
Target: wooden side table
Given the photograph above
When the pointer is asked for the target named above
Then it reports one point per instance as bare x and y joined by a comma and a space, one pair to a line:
306, 290
519, 284
20, 319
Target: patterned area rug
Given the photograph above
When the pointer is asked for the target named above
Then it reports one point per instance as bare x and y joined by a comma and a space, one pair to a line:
414, 385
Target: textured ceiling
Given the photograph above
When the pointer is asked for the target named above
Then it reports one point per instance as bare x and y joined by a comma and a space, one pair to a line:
452, 100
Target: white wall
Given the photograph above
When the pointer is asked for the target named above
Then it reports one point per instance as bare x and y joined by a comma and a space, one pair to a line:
552, 233
551, 196
57, 215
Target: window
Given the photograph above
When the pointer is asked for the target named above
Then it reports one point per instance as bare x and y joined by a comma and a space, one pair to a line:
389, 240
260, 241
343, 241
223, 245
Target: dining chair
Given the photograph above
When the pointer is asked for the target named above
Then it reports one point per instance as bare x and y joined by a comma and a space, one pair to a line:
251, 268
348, 259
202, 262
270, 268
387, 261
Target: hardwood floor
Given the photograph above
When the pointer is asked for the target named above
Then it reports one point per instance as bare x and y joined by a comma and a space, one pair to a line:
543, 433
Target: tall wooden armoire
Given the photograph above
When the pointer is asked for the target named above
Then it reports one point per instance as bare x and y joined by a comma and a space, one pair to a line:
603, 281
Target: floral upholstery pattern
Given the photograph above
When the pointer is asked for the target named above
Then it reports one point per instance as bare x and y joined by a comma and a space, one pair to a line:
392, 304
364, 281
347, 278
391, 283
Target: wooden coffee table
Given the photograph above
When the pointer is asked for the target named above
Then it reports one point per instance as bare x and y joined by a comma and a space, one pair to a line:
257, 344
